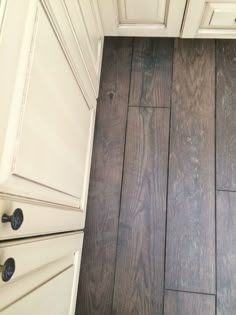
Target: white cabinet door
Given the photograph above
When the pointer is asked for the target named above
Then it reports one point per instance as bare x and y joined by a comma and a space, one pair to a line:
210, 19
46, 275
79, 27
46, 125
142, 17
85, 17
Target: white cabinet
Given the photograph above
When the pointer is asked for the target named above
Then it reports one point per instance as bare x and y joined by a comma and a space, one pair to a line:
142, 17
46, 121
50, 62
84, 15
80, 30
210, 19
44, 277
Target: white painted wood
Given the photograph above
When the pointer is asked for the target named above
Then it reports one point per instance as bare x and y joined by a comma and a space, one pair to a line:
52, 298
210, 19
75, 283
88, 31
219, 15
61, 20
142, 12
43, 259
2, 12
46, 126
142, 17
39, 218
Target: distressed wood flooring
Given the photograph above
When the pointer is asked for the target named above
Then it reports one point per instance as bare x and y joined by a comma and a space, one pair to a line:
160, 235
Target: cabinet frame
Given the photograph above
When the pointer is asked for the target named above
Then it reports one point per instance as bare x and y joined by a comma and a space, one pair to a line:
113, 27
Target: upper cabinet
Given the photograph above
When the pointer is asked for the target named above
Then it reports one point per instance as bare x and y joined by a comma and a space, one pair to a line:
210, 19
142, 17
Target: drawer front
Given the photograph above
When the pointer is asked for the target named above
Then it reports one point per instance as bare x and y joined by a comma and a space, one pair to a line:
38, 219
210, 19
220, 15
54, 294
37, 261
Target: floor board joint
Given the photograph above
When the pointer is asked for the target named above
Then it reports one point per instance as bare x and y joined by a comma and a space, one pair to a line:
122, 178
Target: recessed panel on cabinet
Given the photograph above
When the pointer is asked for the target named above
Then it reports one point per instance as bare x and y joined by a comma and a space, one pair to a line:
79, 28
54, 135
88, 32
143, 12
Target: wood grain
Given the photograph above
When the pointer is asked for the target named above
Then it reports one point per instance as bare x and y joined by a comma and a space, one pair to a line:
190, 253
226, 253
98, 260
141, 244
182, 303
226, 114
151, 72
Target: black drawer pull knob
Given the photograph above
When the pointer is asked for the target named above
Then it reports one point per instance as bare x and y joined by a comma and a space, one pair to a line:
16, 219
8, 269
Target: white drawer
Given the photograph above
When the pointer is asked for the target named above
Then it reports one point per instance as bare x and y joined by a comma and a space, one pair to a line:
219, 16
38, 219
52, 298
37, 262
210, 19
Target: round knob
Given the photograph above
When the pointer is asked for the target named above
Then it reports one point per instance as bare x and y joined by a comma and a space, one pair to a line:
16, 219
8, 269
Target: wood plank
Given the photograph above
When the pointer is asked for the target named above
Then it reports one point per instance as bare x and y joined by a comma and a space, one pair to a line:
183, 303
190, 253
141, 243
226, 115
98, 260
226, 253
151, 72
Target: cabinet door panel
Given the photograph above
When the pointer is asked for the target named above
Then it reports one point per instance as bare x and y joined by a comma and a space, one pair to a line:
46, 142
38, 261
142, 17
87, 26
62, 20
54, 136
144, 12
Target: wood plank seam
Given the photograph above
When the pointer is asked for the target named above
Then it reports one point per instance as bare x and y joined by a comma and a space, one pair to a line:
122, 177
167, 189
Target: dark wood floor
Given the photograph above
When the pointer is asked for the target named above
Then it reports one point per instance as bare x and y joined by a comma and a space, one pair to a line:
160, 233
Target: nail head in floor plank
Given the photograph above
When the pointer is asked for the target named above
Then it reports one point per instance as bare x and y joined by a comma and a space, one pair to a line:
226, 253
226, 114
151, 72
182, 303
99, 250
190, 253
141, 243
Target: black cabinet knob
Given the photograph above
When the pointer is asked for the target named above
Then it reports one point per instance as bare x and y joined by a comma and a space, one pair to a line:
8, 269
16, 219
